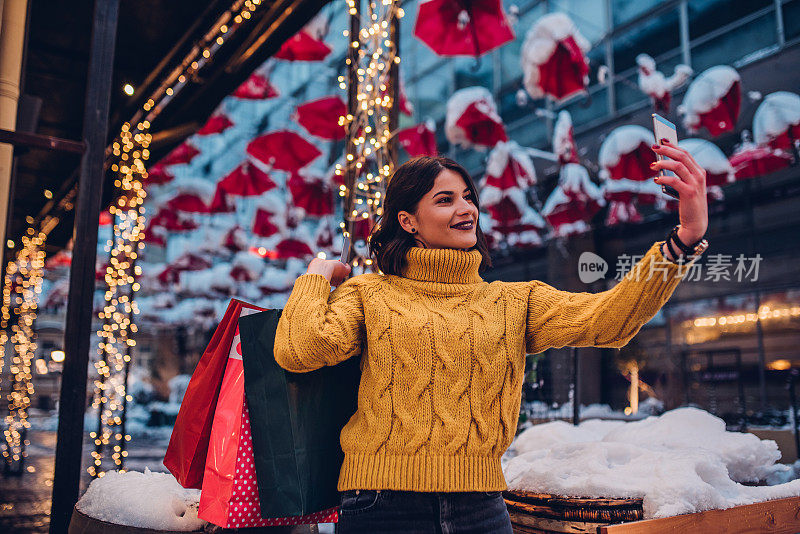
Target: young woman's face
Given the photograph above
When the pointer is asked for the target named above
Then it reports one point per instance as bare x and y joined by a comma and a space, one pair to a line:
446, 216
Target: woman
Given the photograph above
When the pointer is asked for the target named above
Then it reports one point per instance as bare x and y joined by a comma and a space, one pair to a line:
443, 352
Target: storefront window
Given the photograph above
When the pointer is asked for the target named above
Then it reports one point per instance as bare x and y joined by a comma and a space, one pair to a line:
708, 15
791, 19
625, 10
736, 44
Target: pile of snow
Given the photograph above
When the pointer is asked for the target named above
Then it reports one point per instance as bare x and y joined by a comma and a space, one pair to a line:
143, 500
681, 462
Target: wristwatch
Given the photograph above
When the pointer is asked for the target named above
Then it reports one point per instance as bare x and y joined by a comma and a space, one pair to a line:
690, 251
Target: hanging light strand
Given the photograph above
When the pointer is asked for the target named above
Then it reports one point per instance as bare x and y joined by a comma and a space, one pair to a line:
369, 159
117, 315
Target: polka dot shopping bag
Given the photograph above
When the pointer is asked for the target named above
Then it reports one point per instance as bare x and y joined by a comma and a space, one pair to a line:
229, 495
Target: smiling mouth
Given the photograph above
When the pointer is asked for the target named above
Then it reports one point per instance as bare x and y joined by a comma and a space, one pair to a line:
468, 225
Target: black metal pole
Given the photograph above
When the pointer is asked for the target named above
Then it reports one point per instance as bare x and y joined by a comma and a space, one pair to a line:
576, 387
394, 85
78, 330
793, 399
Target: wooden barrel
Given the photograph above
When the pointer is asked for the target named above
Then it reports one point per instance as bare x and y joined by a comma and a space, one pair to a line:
83, 524
541, 513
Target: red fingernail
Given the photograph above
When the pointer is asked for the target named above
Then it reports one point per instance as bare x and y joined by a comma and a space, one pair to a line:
656, 146
653, 165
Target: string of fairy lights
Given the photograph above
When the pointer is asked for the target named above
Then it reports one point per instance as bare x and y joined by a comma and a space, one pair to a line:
22, 285
369, 159
117, 315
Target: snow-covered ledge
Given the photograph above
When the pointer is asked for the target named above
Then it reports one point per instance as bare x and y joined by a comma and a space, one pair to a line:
148, 501
678, 463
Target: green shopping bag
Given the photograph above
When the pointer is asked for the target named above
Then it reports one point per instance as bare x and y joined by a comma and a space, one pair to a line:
296, 419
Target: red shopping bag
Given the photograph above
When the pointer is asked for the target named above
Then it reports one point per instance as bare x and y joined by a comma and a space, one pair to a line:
188, 444
229, 496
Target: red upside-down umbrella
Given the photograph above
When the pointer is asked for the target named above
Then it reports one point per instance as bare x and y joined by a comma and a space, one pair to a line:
293, 248
263, 225
553, 58
105, 218
574, 201
321, 117
154, 235
625, 157
189, 203
713, 100
171, 221
256, 87
302, 46
222, 202
472, 119
283, 150
751, 160
215, 124
158, 175
509, 165
719, 170
657, 86
247, 180
235, 239
462, 27
183, 153
312, 194
777, 121
419, 140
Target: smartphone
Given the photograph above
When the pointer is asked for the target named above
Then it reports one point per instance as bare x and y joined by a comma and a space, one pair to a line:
663, 129
346, 249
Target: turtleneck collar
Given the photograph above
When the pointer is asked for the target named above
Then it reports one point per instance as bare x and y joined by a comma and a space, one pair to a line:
443, 265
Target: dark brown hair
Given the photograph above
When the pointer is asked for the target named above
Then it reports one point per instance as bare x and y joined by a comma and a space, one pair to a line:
388, 242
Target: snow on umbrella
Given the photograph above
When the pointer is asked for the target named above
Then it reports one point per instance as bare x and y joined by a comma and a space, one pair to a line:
509, 165
275, 280
708, 155
303, 46
657, 86
221, 203
777, 121
627, 154
463, 27
186, 262
158, 175
553, 58
574, 201
311, 193
209, 281
256, 87
283, 150
321, 117
751, 160
217, 123
246, 267
472, 119
247, 180
419, 140
713, 101
183, 153
191, 195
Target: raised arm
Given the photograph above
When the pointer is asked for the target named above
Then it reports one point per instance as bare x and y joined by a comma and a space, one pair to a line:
317, 327
607, 319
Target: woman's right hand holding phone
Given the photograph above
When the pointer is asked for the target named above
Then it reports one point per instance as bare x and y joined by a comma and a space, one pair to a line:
334, 271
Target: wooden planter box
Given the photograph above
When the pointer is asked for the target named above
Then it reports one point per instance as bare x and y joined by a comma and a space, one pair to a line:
83, 524
534, 513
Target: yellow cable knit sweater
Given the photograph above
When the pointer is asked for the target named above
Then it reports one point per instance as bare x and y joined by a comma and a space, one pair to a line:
443, 357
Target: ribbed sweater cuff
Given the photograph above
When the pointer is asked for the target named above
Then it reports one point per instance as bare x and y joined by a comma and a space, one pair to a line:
421, 473
313, 284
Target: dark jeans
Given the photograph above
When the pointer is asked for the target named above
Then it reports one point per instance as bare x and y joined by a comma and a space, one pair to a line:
409, 512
